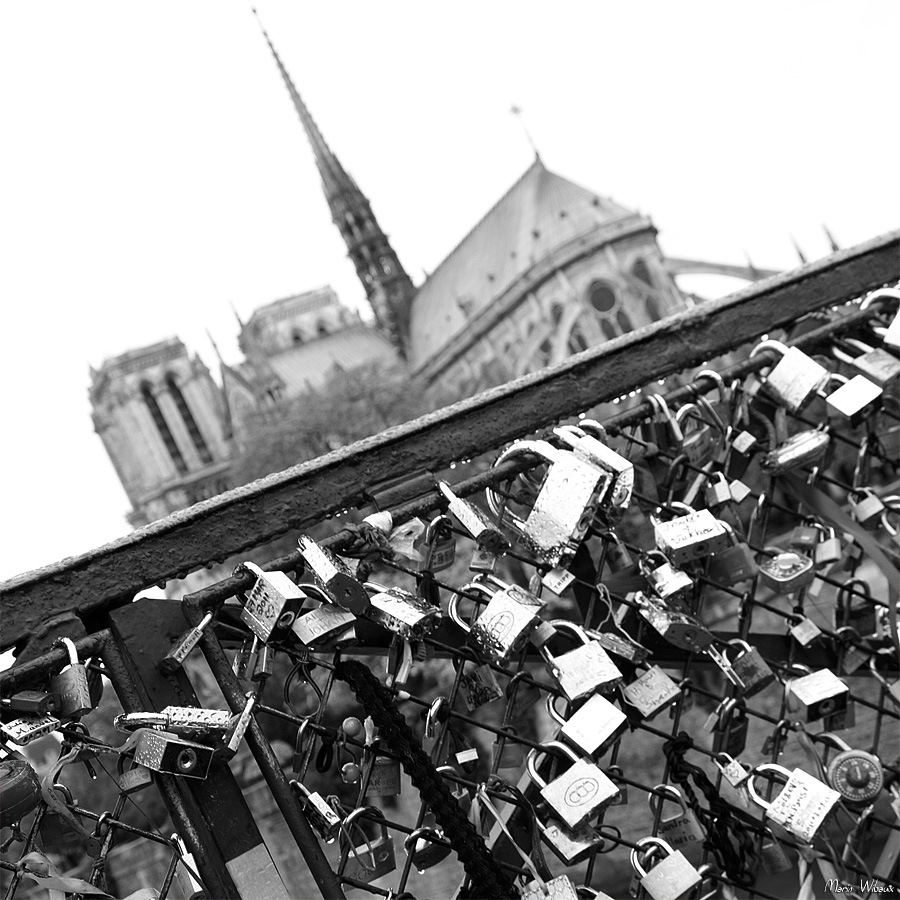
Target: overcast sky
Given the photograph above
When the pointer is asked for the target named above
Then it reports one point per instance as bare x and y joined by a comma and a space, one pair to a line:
155, 173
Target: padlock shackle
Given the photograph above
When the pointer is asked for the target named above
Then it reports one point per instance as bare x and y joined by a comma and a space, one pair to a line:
456, 599
531, 761
879, 294
670, 792
766, 769
829, 737
717, 378
424, 834
778, 346
646, 848
442, 521
250, 567
71, 649
553, 712
589, 425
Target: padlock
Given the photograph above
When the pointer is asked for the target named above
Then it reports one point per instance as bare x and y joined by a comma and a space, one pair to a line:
621, 645
804, 630
578, 793
508, 755
593, 728
699, 440
615, 553
272, 604
751, 668
559, 888
385, 780
691, 536
667, 582
26, 729
37, 703
427, 845
680, 828
651, 693
802, 806
828, 550
479, 687
323, 626
322, 818
672, 877
134, 778
786, 572
814, 696
333, 576
742, 447
866, 507
774, 857
437, 545
585, 670
179, 651
806, 535
483, 561
570, 495
57, 832
730, 727
852, 611
592, 449
733, 564
801, 449
481, 529
20, 789
718, 490
505, 624
891, 334
795, 378
877, 364
71, 684
372, 859
733, 770
240, 723
170, 754
401, 612
183, 721
661, 428
855, 400
679, 628
571, 845
856, 775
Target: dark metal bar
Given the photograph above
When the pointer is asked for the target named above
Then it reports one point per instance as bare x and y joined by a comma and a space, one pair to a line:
247, 516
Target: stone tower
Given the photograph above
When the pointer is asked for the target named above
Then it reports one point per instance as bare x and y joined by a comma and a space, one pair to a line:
389, 289
160, 417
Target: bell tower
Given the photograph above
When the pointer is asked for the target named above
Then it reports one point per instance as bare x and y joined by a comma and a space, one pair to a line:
389, 289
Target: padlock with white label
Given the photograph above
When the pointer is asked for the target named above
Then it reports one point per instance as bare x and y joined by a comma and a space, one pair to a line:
671, 877
802, 806
593, 727
679, 828
505, 624
71, 684
854, 401
794, 380
271, 605
578, 793
585, 670
569, 498
333, 576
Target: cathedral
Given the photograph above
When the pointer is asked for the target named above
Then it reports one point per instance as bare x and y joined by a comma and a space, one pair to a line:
551, 269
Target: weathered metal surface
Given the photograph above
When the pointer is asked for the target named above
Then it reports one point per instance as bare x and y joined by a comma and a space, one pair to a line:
249, 515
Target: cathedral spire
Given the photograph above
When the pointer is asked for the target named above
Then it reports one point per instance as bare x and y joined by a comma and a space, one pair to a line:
389, 289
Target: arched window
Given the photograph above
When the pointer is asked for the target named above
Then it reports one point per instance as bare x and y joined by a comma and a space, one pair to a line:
297, 336
577, 341
609, 330
321, 329
162, 426
624, 321
601, 296
641, 272
653, 310
188, 418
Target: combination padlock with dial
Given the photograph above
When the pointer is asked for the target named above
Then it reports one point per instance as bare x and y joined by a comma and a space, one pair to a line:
856, 775
585, 670
579, 792
71, 684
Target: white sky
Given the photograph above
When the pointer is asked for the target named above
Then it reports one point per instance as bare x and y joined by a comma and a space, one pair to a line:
154, 171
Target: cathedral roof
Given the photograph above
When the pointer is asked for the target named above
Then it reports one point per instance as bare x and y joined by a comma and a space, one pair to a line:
308, 365
541, 212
